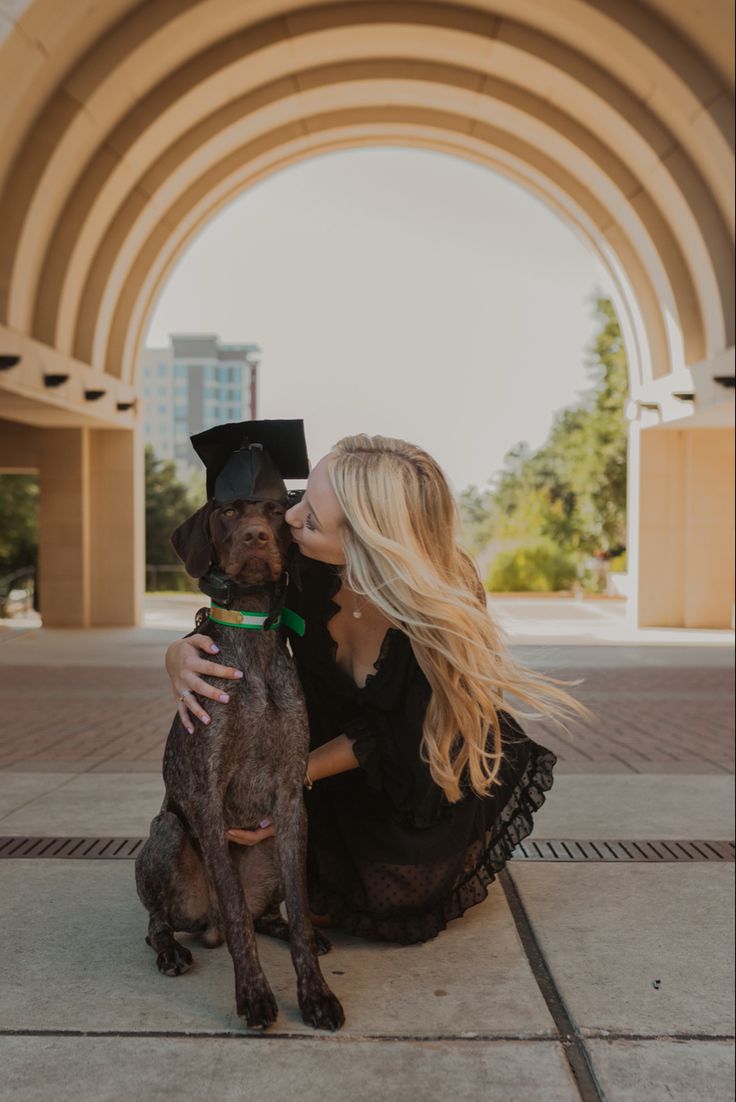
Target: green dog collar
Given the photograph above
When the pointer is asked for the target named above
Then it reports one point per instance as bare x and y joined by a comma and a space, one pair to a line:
254, 621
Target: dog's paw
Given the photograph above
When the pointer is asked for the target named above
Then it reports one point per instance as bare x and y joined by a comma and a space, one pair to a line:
174, 960
258, 1006
322, 943
321, 1008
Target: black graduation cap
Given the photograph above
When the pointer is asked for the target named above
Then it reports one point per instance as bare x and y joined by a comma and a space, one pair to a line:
251, 459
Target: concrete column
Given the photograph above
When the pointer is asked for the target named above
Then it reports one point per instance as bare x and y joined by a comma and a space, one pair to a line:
686, 527
709, 532
64, 527
91, 527
117, 528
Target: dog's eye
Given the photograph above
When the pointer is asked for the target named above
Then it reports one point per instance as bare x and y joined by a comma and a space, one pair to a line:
228, 512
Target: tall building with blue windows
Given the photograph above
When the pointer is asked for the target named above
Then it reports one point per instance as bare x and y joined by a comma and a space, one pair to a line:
195, 383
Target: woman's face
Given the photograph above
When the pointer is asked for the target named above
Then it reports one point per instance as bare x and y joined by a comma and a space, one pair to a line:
317, 521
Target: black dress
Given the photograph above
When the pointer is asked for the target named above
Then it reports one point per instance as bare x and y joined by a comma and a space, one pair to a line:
389, 858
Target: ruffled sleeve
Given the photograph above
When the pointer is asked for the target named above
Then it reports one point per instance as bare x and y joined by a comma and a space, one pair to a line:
387, 744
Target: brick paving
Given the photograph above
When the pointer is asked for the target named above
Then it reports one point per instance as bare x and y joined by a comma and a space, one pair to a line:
657, 711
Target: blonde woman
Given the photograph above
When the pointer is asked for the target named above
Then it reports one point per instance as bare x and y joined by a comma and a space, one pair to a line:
421, 780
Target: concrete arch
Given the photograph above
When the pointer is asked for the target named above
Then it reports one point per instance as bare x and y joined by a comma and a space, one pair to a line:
45, 286
258, 160
339, 130
616, 188
125, 125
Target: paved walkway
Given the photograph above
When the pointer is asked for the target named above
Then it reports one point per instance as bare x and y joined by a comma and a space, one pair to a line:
572, 980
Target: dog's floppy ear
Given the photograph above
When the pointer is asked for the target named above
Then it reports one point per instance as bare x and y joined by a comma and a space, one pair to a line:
192, 541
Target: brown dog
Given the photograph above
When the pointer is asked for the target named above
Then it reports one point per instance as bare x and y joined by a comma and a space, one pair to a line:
248, 762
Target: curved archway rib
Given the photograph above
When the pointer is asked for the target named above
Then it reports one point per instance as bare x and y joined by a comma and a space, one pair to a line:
598, 172
78, 231
654, 94
249, 164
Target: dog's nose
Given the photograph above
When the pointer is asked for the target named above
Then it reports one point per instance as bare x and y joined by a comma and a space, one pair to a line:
257, 533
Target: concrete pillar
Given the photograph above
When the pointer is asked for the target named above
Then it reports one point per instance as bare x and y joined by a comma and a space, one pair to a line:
686, 527
64, 527
117, 531
91, 527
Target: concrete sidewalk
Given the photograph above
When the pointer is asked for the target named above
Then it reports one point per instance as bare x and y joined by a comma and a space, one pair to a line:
572, 980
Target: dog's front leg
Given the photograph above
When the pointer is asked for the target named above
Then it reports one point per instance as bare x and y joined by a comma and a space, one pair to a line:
319, 1005
254, 999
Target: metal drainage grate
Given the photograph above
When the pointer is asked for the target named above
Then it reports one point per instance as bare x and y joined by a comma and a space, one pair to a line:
569, 849
565, 849
110, 849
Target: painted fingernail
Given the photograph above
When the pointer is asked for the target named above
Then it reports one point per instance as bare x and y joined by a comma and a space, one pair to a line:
190, 730
264, 823
223, 698
205, 719
238, 673
215, 649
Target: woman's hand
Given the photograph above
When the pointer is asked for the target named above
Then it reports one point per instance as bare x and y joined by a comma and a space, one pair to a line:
250, 837
185, 665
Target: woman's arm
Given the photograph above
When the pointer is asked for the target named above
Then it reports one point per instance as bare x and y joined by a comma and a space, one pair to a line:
335, 756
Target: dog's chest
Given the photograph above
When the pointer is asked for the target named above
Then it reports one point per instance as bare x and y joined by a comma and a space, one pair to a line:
249, 797
267, 705
259, 741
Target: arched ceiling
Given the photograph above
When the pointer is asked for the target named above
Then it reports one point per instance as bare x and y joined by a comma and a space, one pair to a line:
127, 125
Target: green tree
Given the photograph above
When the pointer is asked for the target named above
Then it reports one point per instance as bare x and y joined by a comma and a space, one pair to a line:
570, 493
19, 521
168, 503
477, 514
587, 448
536, 568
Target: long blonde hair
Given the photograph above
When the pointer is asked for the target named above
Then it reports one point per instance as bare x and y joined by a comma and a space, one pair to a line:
402, 552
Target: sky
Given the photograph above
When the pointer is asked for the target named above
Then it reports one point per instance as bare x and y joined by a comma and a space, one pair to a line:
401, 292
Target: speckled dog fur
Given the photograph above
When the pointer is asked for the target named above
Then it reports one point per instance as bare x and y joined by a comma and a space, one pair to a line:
248, 762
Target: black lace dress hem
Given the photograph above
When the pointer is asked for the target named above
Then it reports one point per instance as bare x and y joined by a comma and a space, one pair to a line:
516, 823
